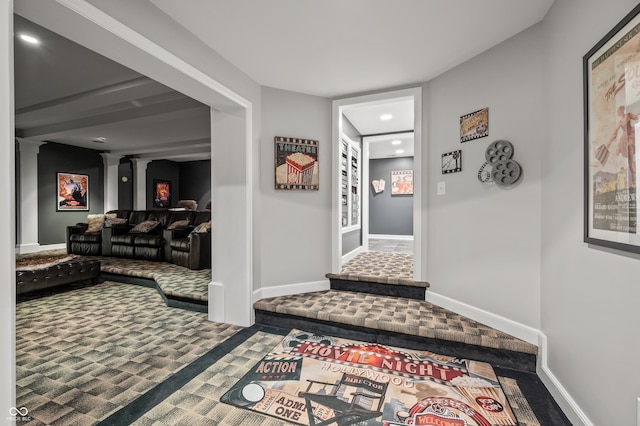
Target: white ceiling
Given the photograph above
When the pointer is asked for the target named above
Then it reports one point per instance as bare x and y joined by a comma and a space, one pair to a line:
329, 48
332, 48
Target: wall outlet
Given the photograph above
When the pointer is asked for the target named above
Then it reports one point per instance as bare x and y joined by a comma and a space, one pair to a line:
442, 188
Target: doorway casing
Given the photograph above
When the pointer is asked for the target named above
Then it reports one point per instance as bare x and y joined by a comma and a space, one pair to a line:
419, 221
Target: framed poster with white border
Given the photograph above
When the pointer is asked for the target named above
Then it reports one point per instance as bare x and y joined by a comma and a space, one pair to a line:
73, 192
611, 75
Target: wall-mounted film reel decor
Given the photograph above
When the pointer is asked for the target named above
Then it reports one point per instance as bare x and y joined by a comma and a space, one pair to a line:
500, 167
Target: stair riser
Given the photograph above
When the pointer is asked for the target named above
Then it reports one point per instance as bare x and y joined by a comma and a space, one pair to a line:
395, 290
496, 357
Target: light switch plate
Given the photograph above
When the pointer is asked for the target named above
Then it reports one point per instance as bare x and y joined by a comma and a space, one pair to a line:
442, 188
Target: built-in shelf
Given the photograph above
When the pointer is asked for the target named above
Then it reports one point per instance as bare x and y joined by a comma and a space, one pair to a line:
350, 188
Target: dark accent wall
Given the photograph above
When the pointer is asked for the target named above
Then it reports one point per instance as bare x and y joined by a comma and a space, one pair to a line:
125, 189
163, 170
389, 215
195, 181
54, 158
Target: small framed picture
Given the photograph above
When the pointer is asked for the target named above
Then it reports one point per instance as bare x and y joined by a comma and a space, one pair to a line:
161, 193
474, 125
452, 162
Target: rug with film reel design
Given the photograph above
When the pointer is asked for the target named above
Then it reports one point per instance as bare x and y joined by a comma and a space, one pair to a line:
311, 379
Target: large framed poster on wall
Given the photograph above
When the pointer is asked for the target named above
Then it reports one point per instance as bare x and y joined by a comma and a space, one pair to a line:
73, 192
612, 116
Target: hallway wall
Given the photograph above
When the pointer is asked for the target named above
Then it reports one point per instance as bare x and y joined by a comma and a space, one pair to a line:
589, 295
483, 240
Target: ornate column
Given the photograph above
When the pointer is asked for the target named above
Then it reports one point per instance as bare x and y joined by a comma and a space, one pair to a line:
27, 199
140, 183
111, 162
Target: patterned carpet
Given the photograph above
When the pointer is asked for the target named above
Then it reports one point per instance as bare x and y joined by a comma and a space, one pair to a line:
115, 354
380, 267
198, 401
393, 314
173, 280
85, 353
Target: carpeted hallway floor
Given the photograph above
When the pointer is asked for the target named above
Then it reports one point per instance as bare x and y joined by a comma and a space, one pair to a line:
115, 353
85, 353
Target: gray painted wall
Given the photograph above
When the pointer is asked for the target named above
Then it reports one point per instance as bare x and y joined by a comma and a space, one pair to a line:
589, 295
295, 225
54, 158
351, 241
389, 214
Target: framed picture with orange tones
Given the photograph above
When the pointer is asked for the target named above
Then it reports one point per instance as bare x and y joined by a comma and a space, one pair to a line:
73, 192
161, 193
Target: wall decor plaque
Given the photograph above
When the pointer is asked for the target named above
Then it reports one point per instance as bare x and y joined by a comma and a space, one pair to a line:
474, 125
296, 163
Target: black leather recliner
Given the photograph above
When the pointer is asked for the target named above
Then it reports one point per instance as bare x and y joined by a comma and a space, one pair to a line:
185, 247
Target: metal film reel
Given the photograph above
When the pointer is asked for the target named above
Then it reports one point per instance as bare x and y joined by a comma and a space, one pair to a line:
505, 173
500, 150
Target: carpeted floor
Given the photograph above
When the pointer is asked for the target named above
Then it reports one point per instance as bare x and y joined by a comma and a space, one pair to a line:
174, 281
380, 267
85, 353
197, 401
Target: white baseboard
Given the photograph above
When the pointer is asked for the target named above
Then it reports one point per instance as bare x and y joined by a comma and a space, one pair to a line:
285, 290
516, 329
35, 247
353, 253
216, 302
529, 334
391, 237
568, 405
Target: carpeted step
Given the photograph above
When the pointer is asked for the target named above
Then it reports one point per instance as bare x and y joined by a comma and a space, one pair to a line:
396, 321
410, 290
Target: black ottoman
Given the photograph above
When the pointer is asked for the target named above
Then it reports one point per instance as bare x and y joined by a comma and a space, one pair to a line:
65, 272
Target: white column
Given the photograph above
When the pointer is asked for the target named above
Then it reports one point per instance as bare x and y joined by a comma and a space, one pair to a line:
140, 183
27, 217
111, 162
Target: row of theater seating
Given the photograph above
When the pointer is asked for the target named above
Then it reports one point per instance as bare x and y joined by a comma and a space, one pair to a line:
182, 237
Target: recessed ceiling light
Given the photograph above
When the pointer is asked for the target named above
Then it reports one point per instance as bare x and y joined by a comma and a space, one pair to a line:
386, 117
399, 151
101, 139
29, 39
396, 142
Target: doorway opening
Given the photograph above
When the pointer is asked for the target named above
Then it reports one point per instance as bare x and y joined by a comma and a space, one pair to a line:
358, 128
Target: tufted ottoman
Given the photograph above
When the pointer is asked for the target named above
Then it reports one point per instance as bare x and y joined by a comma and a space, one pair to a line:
63, 272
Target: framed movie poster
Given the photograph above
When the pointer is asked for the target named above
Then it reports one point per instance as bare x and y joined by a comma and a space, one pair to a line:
73, 192
402, 182
161, 193
612, 116
296, 163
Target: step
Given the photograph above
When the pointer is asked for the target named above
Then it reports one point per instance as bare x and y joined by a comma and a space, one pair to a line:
396, 321
361, 285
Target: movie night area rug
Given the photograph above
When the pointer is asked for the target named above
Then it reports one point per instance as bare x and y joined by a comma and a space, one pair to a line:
310, 379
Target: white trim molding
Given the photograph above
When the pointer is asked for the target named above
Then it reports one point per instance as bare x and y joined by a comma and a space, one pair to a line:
288, 289
391, 237
529, 334
516, 329
568, 405
353, 253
